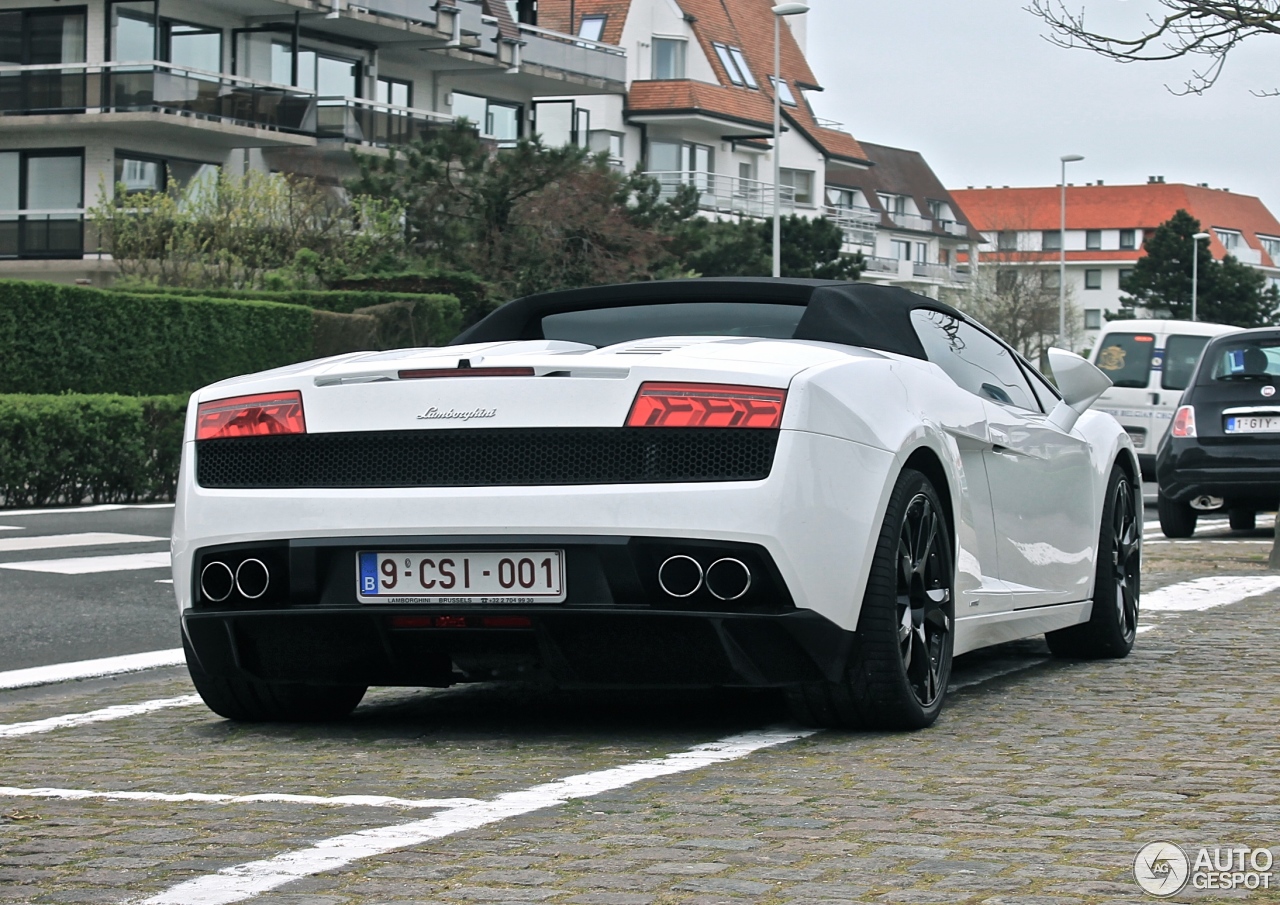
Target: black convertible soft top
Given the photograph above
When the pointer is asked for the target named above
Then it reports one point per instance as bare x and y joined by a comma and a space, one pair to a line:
854, 314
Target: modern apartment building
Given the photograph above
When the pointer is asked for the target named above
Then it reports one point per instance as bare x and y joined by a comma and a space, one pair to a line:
1106, 225
150, 93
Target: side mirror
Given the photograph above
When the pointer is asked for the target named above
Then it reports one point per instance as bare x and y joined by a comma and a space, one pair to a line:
1080, 384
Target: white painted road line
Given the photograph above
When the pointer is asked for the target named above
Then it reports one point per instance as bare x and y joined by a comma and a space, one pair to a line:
101, 507
118, 712
88, 565
1206, 593
90, 669
346, 801
244, 881
12, 528
86, 539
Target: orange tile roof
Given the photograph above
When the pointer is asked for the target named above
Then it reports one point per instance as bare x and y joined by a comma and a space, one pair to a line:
554, 15
1119, 207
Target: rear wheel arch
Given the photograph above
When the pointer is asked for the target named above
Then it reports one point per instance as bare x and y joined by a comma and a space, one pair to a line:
929, 464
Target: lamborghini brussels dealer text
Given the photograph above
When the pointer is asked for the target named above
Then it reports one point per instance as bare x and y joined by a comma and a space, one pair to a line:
827, 488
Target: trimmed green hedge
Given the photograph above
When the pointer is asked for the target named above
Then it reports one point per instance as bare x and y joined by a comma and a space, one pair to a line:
99, 449
56, 339
436, 318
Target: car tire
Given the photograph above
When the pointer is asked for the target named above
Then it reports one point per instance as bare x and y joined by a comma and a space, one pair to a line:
1242, 519
900, 662
1176, 519
1117, 583
251, 701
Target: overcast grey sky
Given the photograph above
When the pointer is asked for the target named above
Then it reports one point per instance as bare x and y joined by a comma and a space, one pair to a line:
974, 87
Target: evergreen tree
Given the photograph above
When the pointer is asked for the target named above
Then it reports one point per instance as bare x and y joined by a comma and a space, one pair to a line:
1229, 292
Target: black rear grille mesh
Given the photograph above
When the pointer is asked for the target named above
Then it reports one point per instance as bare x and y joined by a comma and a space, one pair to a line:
487, 457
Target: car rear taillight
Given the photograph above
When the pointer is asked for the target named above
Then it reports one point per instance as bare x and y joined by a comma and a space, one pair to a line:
1184, 422
263, 415
706, 405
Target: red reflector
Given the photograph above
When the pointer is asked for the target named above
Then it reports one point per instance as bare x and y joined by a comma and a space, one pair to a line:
466, 372
706, 405
507, 622
411, 622
1184, 422
251, 416
451, 622
1144, 339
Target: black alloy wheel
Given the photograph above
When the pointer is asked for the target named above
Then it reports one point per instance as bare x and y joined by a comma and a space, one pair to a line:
1113, 625
900, 661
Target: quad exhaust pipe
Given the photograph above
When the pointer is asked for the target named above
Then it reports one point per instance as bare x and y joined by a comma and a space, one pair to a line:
251, 578
682, 576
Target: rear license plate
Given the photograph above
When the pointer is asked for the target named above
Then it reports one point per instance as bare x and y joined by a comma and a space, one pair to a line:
461, 576
1253, 424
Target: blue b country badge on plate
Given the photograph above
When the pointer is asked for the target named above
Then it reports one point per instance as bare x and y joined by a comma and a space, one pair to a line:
369, 573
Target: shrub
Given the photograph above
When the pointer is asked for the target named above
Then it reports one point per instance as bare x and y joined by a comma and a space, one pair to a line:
56, 339
100, 449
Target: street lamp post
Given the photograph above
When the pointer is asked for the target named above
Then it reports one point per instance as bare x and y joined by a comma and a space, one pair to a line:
1062, 248
1195, 270
782, 9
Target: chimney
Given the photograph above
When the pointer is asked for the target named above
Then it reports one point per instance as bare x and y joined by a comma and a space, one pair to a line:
1099, 182
1151, 180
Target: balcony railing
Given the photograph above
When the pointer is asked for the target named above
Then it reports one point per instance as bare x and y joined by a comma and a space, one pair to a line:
909, 270
41, 234
568, 54
727, 194
153, 86
911, 221
952, 228
858, 223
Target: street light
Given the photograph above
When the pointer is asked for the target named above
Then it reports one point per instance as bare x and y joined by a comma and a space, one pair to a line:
1062, 248
782, 9
1195, 268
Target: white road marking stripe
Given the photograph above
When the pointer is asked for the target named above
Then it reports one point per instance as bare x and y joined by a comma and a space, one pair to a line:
90, 669
118, 712
86, 539
12, 528
1145, 628
1205, 593
88, 565
243, 881
164, 581
101, 507
373, 801
1209, 541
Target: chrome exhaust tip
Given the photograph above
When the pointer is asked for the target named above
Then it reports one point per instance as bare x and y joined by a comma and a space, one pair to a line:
728, 579
680, 575
1204, 502
252, 578
216, 581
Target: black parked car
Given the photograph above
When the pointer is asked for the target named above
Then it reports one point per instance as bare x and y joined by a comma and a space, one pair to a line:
1222, 450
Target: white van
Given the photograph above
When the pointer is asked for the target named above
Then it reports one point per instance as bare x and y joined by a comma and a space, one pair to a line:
1150, 362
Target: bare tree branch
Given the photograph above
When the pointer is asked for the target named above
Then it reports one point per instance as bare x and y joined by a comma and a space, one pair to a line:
1191, 28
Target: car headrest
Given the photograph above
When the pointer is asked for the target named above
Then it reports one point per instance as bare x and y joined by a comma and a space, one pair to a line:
1255, 361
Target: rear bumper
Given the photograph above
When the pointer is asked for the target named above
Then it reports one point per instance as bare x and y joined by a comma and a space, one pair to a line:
585, 647
1242, 473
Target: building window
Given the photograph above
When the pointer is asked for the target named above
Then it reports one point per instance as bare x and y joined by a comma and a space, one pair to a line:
944, 256
326, 75
1007, 240
1093, 239
133, 38
784, 91
1093, 279
616, 146
1271, 246
894, 204
922, 252
668, 58
395, 92
143, 173
1051, 279
1093, 318
1051, 240
1006, 280
495, 119
34, 37
841, 199
802, 182
592, 27
48, 181
900, 249
1125, 273
1229, 238
735, 65
1128, 239
740, 58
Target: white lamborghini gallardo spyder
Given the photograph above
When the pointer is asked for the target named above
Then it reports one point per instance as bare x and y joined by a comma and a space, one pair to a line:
827, 488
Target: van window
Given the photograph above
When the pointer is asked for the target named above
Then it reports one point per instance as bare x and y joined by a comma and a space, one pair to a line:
1126, 358
1180, 356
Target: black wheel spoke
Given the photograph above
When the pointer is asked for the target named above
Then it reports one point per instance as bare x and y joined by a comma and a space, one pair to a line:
924, 600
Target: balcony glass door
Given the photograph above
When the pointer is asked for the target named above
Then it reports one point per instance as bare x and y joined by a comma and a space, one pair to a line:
42, 38
41, 201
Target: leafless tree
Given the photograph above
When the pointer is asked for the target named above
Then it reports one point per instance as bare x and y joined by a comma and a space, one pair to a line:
1204, 29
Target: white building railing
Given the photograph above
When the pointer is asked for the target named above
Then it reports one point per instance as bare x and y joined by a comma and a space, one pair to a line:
858, 223
727, 194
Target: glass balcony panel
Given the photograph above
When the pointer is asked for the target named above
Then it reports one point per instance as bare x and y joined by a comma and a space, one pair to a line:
60, 236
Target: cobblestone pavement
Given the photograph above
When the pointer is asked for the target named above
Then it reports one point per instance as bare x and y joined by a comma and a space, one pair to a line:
1036, 787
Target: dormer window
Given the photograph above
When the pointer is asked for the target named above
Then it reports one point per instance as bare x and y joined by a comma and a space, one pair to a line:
784, 91
592, 27
668, 58
735, 65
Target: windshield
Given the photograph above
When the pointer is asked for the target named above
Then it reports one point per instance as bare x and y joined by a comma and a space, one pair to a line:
607, 326
1180, 356
1126, 358
1257, 359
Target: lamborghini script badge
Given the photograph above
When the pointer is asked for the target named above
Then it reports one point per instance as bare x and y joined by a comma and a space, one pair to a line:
434, 414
